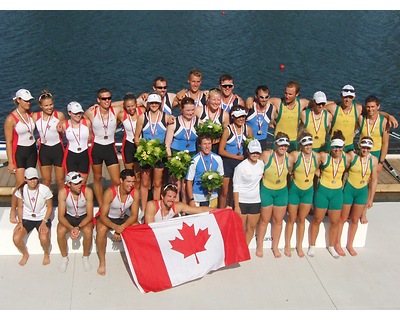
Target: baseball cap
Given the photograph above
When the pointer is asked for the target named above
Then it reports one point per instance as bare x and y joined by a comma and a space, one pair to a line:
337, 143
348, 90
73, 177
154, 97
319, 97
74, 107
239, 113
31, 173
254, 146
24, 95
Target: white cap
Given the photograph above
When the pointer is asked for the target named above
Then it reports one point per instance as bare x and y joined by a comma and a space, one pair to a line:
337, 143
348, 90
254, 146
305, 141
319, 97
154, 97
239, 113
31, 173
74, 107
24, 95
73, 177
366, 142
282, 141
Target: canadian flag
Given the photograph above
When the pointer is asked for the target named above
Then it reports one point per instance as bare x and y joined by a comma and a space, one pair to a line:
162, 255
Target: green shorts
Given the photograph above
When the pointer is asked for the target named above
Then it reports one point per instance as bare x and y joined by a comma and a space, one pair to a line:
277, 198
352, 195
325, 198
297, 195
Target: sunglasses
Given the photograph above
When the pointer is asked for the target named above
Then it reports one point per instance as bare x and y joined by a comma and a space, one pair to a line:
106, 98
263, 97
282, 142
349, 90
160, 87
306, 140
76, 176
45, 95
321, 104
170, 187
227, 86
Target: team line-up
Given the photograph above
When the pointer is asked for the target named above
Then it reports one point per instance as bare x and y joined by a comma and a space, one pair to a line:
312, 164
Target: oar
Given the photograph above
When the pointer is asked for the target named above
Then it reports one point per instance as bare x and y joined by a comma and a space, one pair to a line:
4, 164
394, 173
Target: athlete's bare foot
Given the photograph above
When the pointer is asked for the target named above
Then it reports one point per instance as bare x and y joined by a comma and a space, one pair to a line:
300, 252
351, 251
340, 251
277, 253
13, 217
46, 259
288, 252
101, 270
24, 259
260, 253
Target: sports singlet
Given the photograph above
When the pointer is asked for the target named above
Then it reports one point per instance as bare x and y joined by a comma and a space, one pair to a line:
159, 216
288, 119
304, 171
359, 172
331, 173
104, 129
275, 177
373, 130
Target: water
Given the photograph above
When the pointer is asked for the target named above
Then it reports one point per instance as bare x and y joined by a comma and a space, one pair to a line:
75, 53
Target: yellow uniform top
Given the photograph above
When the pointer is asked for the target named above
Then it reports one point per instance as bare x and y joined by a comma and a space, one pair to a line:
317, 127
346, 122
275, 177
288, 119
331, 173
373, 130
303, 171
359, 172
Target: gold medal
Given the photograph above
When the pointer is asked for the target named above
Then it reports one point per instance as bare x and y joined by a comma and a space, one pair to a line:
188, 145
316, 137
362, 181
239, 154
259, 132
277, 181
306, 180
333, 181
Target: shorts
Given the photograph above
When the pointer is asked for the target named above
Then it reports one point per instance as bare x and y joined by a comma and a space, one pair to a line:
106, 153
353, 195
26, 157
75, 221
213, 203
29, 225
250, 208
51, 155
128, 152
229, 166
297, 195
119, 221
331, 199
277, 198
78, 162
158, 165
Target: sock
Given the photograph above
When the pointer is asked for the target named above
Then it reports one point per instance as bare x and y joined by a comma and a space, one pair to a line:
311, 251
64, 264
333, 252
86, 263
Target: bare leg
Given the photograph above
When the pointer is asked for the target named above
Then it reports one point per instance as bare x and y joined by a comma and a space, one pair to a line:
318, 216
157, 183
19, 179
60, 176
18, 239
45, 243
97, 183
46, 175
87, 239
144, 187
101, 243
252, 220
62, 240
292, 210
265, 217
355, 214
278, 214
224, 193
343, 218
301, 225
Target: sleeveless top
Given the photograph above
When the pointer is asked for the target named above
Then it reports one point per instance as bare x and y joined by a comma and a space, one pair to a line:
346, 122
117, 208
129, 126
48, 133
185, 138
288, 119
200, 101
104, 130
22, 132
318, 128
158, 217
217, 119
332, 177
359, 173
231, 102
74, 208
166, 105
155, 130
235, 144
304, 172
259, 122
77, 137
374, 130
273, 179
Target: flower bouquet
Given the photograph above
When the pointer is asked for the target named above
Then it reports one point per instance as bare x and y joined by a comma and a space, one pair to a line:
149, 152
179, 164
211, 180
209, 127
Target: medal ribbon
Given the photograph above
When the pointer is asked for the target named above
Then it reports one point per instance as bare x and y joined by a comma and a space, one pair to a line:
33, 207
316, 125
122, 208
370, 131
204, 163
279, 168
47, 125
76, 208
307, 167
105, 126
364, 166
28, 125
335, 170
77, 139
153, 128
187, 132
238, 140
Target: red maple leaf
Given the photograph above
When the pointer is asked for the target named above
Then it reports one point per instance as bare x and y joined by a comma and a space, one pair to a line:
191, 243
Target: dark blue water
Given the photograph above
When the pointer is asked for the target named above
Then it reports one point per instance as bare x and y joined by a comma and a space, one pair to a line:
74, 53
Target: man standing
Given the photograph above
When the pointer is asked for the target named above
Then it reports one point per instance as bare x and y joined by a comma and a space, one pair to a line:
228, 98
75, 214
120, 209
199, 96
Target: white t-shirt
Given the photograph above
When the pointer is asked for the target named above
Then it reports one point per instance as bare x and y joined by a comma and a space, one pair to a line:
34, 201
246, 181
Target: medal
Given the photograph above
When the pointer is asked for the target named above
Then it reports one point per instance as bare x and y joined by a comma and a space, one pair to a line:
306, 180
34, 215
79, 149
188, 145
259, 132
277, 181
239, 154
31, 138
333, 181
362, 181
105, 137
316, 137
